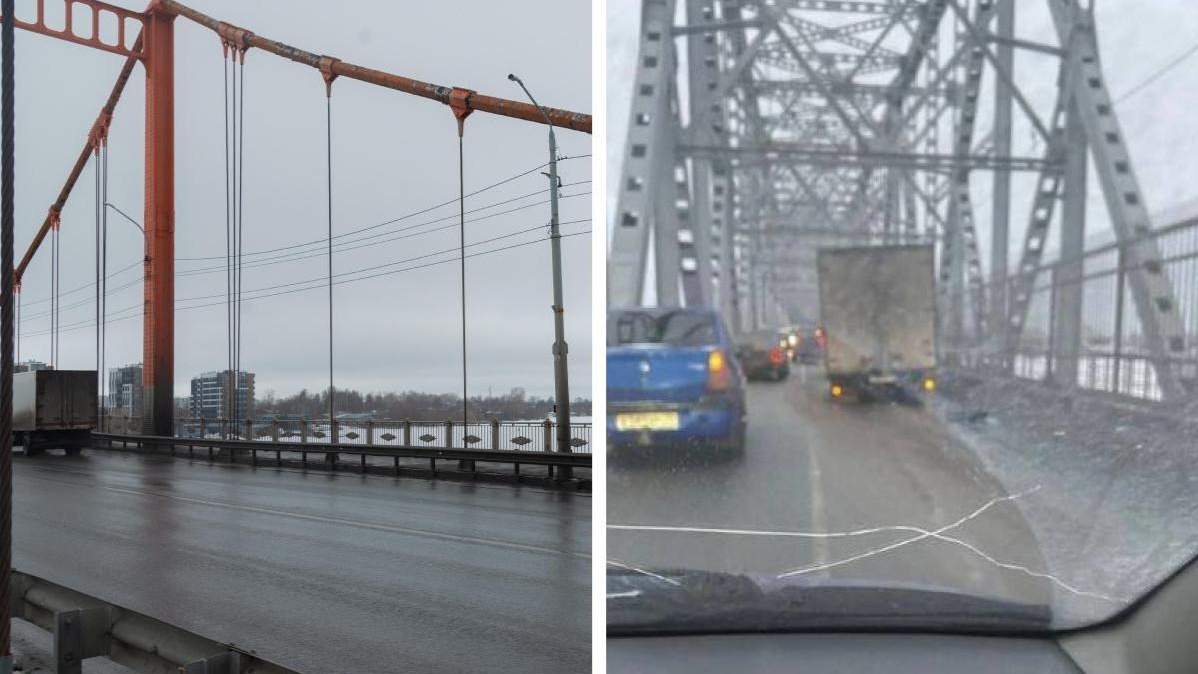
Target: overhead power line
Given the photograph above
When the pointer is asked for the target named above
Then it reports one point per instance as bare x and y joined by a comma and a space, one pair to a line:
1158, 73
74, 327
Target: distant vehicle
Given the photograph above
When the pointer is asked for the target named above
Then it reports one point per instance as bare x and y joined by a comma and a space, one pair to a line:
673, 378
878, 304
764, 354
810, 343
53, 409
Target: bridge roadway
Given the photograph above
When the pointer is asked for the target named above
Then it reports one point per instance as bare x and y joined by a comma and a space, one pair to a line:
817, 466
324, 573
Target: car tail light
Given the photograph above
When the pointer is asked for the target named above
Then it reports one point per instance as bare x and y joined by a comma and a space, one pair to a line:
776, 355
719, 375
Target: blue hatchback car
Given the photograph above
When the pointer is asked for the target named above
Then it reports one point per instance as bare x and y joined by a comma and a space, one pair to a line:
673, 378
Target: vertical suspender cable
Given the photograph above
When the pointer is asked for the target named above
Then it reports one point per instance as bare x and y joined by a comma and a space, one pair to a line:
230, 382
462, 243
329, 155
53, 296
228, 238
239, 408
104, 291
6, 319
99, 294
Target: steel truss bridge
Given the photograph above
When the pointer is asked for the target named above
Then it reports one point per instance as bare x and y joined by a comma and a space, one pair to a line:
761, 130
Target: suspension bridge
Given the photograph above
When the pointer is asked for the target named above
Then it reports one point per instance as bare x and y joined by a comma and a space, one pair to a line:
538, 547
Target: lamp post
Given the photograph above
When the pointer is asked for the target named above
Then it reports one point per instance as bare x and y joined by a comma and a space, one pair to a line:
561, 385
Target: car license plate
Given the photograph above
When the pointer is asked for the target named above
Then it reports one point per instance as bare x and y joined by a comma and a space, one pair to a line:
647, 421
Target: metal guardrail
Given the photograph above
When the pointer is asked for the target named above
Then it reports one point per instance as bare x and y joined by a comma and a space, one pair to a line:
331, 452
1113, 356
87, 627
522, 436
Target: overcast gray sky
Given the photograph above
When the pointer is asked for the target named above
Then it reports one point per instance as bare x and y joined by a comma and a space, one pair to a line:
1136, 39
393, 155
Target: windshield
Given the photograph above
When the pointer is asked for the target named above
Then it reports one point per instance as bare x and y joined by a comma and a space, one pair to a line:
673, 328
986, 416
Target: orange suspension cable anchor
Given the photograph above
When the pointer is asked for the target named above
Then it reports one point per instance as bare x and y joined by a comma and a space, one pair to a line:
235, 39
459, 102
325, 65
98, 136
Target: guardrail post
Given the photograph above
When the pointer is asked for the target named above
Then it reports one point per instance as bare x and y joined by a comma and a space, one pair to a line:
547, 437
370, 431
274, 430
68, 642
330, 458
407, 433
203, 428
249, 429
494, 434
223, 663
79, 634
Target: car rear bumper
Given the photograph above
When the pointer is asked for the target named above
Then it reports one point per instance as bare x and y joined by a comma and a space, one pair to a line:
698, 424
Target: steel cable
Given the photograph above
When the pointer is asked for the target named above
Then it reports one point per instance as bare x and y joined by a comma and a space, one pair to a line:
329, 173
7, 95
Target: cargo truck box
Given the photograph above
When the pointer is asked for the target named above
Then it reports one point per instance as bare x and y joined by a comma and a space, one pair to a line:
878, 306
54, 409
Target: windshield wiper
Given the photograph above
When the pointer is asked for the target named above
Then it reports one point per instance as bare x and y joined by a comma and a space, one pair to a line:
673, 602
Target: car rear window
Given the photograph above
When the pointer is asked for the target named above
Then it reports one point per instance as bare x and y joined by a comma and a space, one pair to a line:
675, 328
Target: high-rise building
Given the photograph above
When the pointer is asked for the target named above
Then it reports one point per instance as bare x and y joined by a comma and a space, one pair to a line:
125, 390
30, 366
212, 398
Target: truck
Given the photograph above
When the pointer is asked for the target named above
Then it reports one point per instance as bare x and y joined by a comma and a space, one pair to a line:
53, 409
878, 310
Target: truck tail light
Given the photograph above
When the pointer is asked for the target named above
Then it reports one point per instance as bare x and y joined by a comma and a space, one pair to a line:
719, 374
776, 356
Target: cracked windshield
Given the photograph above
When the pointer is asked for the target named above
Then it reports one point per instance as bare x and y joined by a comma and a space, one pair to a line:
902, 325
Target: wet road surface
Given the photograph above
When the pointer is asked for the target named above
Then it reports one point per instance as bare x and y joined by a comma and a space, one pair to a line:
819, 493
324, 573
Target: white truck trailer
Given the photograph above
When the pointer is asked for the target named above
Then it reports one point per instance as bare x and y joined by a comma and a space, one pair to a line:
878, 306
53, 409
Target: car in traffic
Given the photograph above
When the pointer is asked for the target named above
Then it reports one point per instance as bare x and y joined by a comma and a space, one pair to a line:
764, 354
673, 379
809, 344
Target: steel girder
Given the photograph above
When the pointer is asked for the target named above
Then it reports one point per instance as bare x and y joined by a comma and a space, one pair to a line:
1155, 300
648, 165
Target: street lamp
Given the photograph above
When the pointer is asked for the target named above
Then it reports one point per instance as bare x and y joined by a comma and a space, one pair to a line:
561, 385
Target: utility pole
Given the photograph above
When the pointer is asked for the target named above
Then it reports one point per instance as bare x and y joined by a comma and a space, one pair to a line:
561, 382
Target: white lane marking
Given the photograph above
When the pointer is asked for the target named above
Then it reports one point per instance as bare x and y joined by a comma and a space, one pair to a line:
456, 538
816, 484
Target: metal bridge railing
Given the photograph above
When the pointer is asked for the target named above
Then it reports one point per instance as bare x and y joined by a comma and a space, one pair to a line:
1113, 356
514, 436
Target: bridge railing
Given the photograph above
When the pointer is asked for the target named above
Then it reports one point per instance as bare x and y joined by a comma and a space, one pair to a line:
1113, 355
495, 435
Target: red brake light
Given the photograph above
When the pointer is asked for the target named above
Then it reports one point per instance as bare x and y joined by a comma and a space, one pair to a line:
719, 375
776, 355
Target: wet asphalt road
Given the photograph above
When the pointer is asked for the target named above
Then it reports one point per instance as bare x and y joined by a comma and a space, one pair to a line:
827, 471
324, 573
